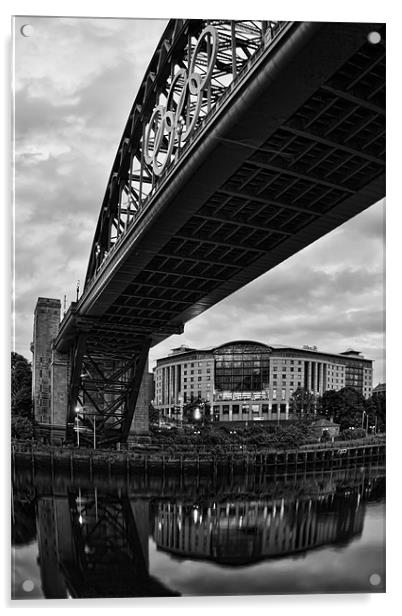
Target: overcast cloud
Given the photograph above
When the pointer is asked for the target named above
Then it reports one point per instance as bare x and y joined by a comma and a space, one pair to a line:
75, 81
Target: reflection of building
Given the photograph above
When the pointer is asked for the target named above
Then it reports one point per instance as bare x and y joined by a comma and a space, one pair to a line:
247, 380
241, 532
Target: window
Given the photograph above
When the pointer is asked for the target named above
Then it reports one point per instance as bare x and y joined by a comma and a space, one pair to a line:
200, 363
199, 371
184, 371
292, 370
255, 409
291, 383
299, 370
225, 409
275, 383
283, 394
192, 372
192, 379
198, 394
245, 408
200, 378
192, 365
265, 408
235, 409
274, 394
208, 370
274, 408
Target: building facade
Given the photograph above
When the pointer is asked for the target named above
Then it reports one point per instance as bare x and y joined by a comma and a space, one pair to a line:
46, 326
246, 380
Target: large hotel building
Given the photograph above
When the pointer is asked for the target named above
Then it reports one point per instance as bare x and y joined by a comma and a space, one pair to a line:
246, 380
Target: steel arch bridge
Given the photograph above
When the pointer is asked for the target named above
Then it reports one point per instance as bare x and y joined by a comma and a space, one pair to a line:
247, 141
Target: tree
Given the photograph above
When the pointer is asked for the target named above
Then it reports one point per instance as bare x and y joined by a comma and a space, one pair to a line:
302, 402
21, 386
346, 406
21, 427
153, 414
375, 411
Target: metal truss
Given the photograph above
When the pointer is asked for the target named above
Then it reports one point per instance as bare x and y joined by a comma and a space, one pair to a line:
105, 378
194, 65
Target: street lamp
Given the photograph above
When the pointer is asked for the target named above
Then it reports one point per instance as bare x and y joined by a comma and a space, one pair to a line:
77, 421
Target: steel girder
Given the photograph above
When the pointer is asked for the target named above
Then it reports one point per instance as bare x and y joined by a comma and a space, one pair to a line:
107, 365
195, 64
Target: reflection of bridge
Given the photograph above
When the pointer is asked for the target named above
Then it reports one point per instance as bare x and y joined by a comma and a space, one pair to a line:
246, 142
94, 545
94, 542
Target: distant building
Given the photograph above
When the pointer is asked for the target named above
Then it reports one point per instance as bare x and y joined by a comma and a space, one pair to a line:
326, 425
246, 380
379, 390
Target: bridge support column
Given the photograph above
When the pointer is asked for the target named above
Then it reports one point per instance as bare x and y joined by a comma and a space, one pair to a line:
140, 421
59, 382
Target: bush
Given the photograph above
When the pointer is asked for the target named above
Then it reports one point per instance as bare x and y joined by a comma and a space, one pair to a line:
21, 428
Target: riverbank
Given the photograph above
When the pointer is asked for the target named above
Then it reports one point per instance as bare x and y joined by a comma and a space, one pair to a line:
142, 459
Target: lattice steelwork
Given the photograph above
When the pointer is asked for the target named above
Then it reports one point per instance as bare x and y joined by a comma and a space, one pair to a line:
195, 64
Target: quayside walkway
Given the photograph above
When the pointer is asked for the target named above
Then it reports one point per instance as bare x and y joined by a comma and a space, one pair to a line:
210, 460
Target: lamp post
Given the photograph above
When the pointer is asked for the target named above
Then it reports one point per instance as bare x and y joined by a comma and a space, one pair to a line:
77, 421
94, 416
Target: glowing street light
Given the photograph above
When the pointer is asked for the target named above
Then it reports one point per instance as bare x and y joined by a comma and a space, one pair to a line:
197, 413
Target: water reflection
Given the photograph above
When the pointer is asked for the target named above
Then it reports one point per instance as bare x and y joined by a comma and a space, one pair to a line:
93, 540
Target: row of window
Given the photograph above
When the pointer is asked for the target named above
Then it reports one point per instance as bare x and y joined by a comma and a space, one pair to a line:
246, 409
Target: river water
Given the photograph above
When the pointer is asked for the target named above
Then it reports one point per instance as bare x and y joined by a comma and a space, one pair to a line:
186, 535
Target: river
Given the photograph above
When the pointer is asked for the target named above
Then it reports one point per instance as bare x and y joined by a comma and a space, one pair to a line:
183, 535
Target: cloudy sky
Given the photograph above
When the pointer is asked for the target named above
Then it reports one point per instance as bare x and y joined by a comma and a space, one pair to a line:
75, 81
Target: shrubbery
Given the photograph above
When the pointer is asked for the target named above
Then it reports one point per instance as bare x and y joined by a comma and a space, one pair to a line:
252, 436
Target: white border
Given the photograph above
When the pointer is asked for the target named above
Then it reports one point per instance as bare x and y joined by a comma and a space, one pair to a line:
340, 10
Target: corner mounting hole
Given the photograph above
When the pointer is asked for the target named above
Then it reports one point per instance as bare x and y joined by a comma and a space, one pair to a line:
27, 30
374, 579
28, 585
374, 37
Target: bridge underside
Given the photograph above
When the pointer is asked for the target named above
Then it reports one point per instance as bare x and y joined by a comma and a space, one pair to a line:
294, 151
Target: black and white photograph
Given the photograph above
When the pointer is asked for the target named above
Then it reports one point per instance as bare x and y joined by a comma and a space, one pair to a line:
198, 378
